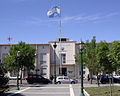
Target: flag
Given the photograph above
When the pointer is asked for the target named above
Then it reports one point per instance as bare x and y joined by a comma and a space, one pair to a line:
54, 12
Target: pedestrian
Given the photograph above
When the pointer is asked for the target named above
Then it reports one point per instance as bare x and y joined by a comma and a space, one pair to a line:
98, 78
88, 77
51, 78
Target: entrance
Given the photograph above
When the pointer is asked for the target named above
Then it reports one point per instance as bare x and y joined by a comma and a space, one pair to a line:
64, 71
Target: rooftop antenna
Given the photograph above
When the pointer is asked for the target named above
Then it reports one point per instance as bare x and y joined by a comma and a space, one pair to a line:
9, 39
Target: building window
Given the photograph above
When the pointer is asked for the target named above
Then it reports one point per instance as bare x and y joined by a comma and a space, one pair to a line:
43, 58
4, 54
63, 58
43, 71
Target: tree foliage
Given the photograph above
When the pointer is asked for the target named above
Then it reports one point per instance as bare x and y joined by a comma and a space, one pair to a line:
101, 57
114, 54
26, 58
89, 55
102, 52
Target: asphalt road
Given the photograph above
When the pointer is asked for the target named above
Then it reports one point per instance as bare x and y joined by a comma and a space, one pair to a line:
48, 89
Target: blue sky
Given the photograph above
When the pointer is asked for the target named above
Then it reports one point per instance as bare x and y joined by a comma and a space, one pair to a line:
26, 20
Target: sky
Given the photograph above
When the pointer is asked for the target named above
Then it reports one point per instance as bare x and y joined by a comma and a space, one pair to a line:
27, 20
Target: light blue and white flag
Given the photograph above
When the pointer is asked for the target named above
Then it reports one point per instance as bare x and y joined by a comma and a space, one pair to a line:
54, 12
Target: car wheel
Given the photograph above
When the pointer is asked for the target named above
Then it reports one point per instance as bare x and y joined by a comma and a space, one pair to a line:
59, 82
72, 82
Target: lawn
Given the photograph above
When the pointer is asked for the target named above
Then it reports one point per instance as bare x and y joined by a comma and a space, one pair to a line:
103, 91
6, 89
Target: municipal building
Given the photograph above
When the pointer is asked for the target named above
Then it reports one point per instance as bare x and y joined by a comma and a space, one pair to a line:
65, 53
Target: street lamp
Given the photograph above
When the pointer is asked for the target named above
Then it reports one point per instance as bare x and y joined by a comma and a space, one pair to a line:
18, 54
81, 53
54, 45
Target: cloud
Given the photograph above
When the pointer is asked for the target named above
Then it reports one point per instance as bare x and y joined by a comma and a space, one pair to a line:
77, 19
89, 18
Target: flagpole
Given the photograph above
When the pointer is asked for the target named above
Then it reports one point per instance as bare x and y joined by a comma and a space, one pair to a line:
60, 41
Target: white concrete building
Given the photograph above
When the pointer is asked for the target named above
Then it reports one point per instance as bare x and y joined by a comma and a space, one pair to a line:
66, 51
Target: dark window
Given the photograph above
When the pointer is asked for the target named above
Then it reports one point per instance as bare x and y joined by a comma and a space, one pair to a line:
63, 58
43, 58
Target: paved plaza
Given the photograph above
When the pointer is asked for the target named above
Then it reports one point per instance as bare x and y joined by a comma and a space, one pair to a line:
48, 89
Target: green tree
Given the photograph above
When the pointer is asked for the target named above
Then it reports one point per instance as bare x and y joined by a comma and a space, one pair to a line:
114, 55
102, 52
26, 58
89, 56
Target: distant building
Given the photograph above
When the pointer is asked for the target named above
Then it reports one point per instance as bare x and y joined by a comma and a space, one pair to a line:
66, 51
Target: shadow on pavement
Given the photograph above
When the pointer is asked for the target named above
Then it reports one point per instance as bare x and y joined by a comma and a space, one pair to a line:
11, 94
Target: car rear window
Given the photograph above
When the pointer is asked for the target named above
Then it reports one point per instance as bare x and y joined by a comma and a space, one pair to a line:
34, 76
60, 78
40, 77
66, 78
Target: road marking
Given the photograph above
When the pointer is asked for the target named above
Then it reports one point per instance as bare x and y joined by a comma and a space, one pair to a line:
22, 90
50, 93
53, 87
18, 91
71, 90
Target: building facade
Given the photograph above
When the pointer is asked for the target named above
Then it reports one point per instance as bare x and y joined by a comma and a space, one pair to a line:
65, 53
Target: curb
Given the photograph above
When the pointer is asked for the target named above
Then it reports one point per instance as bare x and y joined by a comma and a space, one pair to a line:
86, 94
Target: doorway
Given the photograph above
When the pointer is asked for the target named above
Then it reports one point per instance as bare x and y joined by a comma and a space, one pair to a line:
64, 71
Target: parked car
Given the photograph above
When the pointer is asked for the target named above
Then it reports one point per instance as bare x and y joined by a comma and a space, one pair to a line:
94, 77
65, 79
3, 83
105, 79
14, 78
34, 78
116, 79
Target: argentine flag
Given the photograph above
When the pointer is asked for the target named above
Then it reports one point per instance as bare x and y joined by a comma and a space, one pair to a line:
54, 12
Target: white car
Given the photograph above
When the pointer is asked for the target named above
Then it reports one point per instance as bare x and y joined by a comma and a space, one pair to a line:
65, 79
14, 78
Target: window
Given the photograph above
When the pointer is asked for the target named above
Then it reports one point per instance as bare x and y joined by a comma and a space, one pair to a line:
63, 58
43, 71
34, 76
43, 58
66, 78
40, 77
4, 54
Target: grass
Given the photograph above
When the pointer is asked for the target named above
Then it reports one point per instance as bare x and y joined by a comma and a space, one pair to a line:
103, 91
6, 89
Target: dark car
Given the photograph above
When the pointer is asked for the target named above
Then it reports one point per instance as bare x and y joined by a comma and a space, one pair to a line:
104, 79
116, 79
3, 83
34, 78
107, 79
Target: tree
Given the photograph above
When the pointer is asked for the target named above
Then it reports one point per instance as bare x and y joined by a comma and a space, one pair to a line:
26, 58
89, 56
114, 55
102, 52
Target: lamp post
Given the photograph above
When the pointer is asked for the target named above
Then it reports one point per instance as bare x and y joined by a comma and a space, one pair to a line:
81, 53
54, 45
18, 54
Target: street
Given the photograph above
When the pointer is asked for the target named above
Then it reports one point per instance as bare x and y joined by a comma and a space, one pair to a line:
48, 89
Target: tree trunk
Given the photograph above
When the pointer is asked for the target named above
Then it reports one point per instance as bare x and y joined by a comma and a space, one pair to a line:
110, 81
90, 77
21, 77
